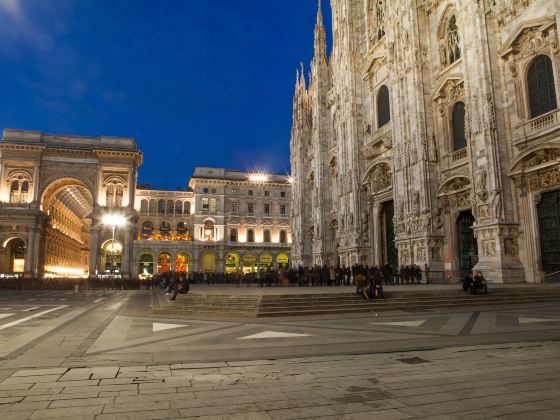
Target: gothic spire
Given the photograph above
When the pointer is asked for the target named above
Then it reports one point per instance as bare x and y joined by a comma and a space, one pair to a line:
320, 34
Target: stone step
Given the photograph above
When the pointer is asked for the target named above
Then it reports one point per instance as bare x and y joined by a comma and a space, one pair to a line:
364, 306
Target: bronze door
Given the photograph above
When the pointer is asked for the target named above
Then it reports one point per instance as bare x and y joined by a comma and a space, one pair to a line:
468, 249
388, 248
549, 225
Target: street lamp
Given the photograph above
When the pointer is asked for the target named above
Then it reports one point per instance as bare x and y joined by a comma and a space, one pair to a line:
113, 220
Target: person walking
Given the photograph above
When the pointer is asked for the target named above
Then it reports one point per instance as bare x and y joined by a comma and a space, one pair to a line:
427, 273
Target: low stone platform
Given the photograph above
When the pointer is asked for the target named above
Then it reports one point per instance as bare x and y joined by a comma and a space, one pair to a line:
256, 302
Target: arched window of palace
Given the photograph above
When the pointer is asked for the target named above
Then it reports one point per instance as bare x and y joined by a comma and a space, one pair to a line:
541, 87
383, 107
183, 232
165, 229
119, 195
178, 207
170, 207
24, 191
283, 237
153, 206
144, 206
458, 126
450, 46
147, 230
266, 236
182, 262
164, 262
161, 206
233, 235
146, 266
205, 203
187, 207
14, 192
213, 205
250, 235
208, 230
114, 192
110, 198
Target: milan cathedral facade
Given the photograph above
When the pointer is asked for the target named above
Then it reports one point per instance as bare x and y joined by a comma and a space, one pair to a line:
431, 135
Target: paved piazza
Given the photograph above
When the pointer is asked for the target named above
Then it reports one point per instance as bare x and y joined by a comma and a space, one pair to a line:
103, 355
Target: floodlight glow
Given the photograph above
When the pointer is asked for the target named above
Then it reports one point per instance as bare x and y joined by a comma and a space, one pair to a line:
258, 178
114, 220
290, 179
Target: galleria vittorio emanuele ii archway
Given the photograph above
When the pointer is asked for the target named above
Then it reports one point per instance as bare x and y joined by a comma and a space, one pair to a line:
60, 200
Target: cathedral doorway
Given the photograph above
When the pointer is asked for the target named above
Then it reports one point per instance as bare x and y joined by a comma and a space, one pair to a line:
549, 229
468, 249
389, 254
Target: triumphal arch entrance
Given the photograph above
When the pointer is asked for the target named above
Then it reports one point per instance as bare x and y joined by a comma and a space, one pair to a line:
66, 204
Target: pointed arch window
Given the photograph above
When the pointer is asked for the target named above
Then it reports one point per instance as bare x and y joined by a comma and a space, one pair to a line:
458, 126
383, 107
540, 83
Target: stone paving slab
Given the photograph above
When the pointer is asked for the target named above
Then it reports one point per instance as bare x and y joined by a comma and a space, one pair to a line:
514, 381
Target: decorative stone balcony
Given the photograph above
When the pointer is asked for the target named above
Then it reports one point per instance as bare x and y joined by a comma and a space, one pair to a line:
378, 142
383, 134
459, 155
534, 128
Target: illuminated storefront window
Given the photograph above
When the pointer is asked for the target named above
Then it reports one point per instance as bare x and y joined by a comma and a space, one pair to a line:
146, 268
164, 262
249, 262
232, 263
182, 262
266, 261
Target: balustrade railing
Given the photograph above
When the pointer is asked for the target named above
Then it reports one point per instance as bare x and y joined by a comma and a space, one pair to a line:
459, 154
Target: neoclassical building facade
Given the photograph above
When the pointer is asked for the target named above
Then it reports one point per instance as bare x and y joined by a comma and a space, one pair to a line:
70, 206
431, 135
225, 221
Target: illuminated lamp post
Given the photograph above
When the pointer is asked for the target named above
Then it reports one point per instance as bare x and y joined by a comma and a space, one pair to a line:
114, 220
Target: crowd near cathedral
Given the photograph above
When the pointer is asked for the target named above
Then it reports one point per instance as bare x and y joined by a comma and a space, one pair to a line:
425, 132
429, 134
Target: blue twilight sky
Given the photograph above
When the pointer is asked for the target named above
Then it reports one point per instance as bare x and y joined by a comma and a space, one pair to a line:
196, 82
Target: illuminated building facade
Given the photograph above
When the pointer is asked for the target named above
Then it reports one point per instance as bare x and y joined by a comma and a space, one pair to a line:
226, 220
70, 206
55, 193
430, 134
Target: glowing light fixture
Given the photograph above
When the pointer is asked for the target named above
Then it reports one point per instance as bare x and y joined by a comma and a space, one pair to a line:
290, 179
115, 220
258, 178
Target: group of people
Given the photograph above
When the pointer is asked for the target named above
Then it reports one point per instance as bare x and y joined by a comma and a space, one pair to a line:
172, 283
475, 285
